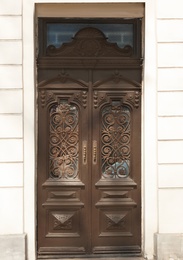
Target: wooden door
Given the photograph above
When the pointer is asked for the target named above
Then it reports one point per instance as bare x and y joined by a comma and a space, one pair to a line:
89, 195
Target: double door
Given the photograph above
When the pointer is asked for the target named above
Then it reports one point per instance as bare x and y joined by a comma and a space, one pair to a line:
89, 147
89, 164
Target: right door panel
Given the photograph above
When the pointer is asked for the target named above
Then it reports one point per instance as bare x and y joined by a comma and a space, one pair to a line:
116, 171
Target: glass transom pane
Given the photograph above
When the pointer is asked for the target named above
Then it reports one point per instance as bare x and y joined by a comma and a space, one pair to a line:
59, 33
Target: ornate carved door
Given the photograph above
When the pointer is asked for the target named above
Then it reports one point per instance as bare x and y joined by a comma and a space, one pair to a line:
89, 148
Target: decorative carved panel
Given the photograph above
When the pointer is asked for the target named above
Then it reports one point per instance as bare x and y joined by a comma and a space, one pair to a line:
131, 98
62, 221
47, 96
115, 223
115, 218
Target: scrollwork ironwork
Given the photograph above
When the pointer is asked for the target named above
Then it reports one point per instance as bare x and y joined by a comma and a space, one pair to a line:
115, 139
63, 143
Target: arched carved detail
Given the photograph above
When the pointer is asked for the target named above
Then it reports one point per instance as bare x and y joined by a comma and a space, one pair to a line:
89, 42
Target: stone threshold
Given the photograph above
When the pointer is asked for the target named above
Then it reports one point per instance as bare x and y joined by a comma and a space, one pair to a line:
98, 258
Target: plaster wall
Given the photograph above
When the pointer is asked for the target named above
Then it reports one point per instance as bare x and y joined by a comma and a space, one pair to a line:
11, 118
170, 115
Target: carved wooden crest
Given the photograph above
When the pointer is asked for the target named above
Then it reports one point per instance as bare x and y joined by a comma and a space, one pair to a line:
89, 42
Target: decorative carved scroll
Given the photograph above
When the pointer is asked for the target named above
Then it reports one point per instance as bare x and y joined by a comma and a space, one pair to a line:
89, 42
63, 141
115, 141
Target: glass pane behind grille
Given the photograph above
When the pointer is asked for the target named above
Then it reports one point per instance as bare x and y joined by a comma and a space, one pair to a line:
59, 33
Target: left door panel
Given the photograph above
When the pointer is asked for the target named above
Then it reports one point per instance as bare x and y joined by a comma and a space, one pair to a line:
62, 171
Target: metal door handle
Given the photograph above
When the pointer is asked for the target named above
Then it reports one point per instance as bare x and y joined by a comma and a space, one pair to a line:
84, 152
94, 152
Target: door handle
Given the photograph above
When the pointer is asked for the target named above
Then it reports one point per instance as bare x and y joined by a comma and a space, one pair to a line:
84, 152
94, 152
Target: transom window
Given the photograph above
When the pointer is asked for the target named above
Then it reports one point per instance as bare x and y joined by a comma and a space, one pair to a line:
57, 31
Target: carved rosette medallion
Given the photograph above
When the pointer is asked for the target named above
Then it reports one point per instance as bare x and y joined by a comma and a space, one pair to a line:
63, 141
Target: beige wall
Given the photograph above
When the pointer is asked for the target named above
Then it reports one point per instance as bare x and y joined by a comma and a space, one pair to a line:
162, 113
11, 118
170, 115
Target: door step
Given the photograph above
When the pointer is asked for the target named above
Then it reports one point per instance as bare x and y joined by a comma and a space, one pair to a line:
99, 258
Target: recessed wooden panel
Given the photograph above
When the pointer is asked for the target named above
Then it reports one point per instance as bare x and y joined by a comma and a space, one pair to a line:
115, 223
63, 223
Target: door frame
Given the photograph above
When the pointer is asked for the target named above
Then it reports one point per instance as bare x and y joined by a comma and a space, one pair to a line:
149, 122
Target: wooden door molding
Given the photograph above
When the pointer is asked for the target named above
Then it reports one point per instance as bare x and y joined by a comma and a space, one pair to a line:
93, 10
